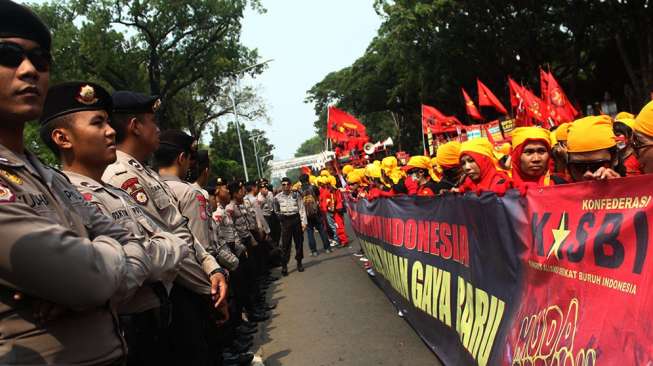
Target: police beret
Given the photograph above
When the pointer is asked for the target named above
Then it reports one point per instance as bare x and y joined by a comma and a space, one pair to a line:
285, 180
19, 21
76, 96
125, 101
177, 139
234, 186
219, 182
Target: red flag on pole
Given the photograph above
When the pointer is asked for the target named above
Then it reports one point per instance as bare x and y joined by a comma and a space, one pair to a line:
341, 126
544, 88
472, 111
487, 99
436, 121
563, 110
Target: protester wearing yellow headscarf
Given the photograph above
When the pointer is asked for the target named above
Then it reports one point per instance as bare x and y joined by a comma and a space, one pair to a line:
347, 169
592, 149
531, 153
448, 159
420, 169
643, 138
624, 115
562, 131
481, 166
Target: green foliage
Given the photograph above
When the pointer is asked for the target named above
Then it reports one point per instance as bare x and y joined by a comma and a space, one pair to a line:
34, 144
185, 51
225, 152
312, 146
426, 50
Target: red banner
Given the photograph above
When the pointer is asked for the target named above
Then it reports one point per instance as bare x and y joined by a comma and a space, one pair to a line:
342, 126
472, 111
437, 122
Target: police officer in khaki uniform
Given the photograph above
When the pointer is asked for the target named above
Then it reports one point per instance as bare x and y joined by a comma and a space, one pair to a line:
61, 260
289, 207
200, 276
75, 125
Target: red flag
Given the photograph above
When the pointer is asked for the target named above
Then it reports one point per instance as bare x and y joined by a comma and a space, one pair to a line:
561, 107
341, 126
487, 99
535, 107
472, 111
437, 122
544, 88
519, 103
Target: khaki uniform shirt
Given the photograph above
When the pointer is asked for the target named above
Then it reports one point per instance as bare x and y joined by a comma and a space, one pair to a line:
226, 238
258, 213
266, 202
241, 222
290, 204
154, 196
164, 249
58, 248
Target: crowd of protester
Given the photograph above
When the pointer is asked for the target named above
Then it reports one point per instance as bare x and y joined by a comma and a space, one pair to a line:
589, 148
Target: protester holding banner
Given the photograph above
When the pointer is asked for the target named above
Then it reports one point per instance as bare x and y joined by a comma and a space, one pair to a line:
420, 170
480, 166
531, 152
592, 150
448, 158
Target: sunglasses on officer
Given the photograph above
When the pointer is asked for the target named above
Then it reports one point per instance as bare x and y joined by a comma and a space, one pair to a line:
12, 55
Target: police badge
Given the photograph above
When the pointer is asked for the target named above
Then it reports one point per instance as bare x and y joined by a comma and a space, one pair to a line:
156, 105
86, 95
136, 190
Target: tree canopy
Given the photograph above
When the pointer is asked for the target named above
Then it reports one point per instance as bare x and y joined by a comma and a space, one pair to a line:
425, 51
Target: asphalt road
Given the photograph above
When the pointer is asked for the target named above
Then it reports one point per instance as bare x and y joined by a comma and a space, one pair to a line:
333, 314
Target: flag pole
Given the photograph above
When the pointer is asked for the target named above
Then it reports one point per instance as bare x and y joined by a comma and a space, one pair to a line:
421, 113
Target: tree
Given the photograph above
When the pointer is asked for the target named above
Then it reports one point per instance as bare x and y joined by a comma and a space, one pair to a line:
312, 146
225, 152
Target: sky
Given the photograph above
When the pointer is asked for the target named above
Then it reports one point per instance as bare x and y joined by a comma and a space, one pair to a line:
307, 40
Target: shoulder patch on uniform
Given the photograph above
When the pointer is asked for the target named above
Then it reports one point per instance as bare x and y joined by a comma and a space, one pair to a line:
87, 197
6, 195
135, 164
203, 205
136, 190
11, 177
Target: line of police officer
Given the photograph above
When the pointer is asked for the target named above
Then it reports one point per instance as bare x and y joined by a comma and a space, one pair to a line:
109, 262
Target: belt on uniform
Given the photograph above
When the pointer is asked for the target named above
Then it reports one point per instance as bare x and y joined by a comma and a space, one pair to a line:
288, 217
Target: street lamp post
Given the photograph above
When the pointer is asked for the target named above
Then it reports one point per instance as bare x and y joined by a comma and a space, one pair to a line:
262, 161
233, 103
254, 142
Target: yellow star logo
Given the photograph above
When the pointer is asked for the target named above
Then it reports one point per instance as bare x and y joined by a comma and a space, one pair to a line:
559, 236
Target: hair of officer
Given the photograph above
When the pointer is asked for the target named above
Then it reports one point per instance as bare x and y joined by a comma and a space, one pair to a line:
234, 186
65, 121
120, 122
168, 152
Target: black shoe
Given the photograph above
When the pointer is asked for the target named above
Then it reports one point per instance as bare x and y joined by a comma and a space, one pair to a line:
244, 338
237, 347
268, 307
232, 359
246, 330
258, 317
284, 271
273, 279
300, 267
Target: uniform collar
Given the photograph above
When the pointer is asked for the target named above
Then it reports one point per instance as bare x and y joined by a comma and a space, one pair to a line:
9, 159
173, 178
82, 180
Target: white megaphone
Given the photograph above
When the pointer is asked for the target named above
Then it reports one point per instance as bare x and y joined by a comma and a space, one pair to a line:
387, 143
369, 148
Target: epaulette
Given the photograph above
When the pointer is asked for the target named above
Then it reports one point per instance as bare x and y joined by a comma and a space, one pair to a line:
91, 186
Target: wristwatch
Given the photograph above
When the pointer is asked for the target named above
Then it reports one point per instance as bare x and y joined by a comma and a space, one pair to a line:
224, 272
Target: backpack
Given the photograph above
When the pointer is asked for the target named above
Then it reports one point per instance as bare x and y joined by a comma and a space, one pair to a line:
310, 203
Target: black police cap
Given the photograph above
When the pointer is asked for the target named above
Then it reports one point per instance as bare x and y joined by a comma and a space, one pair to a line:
177, 139
125, 101
19, 21
234, 186
219, 182
72, 97
285, 180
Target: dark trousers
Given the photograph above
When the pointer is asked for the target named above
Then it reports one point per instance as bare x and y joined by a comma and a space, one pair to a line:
317, 222
194, 336
146, 336
291, 229
275, 229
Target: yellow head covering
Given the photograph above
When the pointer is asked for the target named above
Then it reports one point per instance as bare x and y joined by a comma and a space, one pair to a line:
448, 155
590, 134
644, 120
521, 134
388, 164
297, 186
312, 179
373, 171
332, 180
552, 137
419, 161
354, 177
480, 146
347, 169
630, 122
325, 173
434, 162
624, 115
562, 131
322, 180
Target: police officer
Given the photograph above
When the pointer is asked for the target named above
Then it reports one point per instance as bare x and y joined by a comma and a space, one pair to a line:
55, 303
289, 207
200, 276
75, 125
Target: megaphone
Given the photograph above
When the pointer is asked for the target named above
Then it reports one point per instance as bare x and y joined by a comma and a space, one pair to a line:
369, 148
387, 143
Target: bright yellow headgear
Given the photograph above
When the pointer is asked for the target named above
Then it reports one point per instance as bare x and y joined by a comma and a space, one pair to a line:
644, 121
552, 137
373, 171
480, 146
322, 180
325, 173
419, 161
590, 134
624, 115
297, 186
521, 134
434, 162
562, 131
504, 149
630, 122
347, 169
312, 179
388, 164
448, 155
354, 177
332, 181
